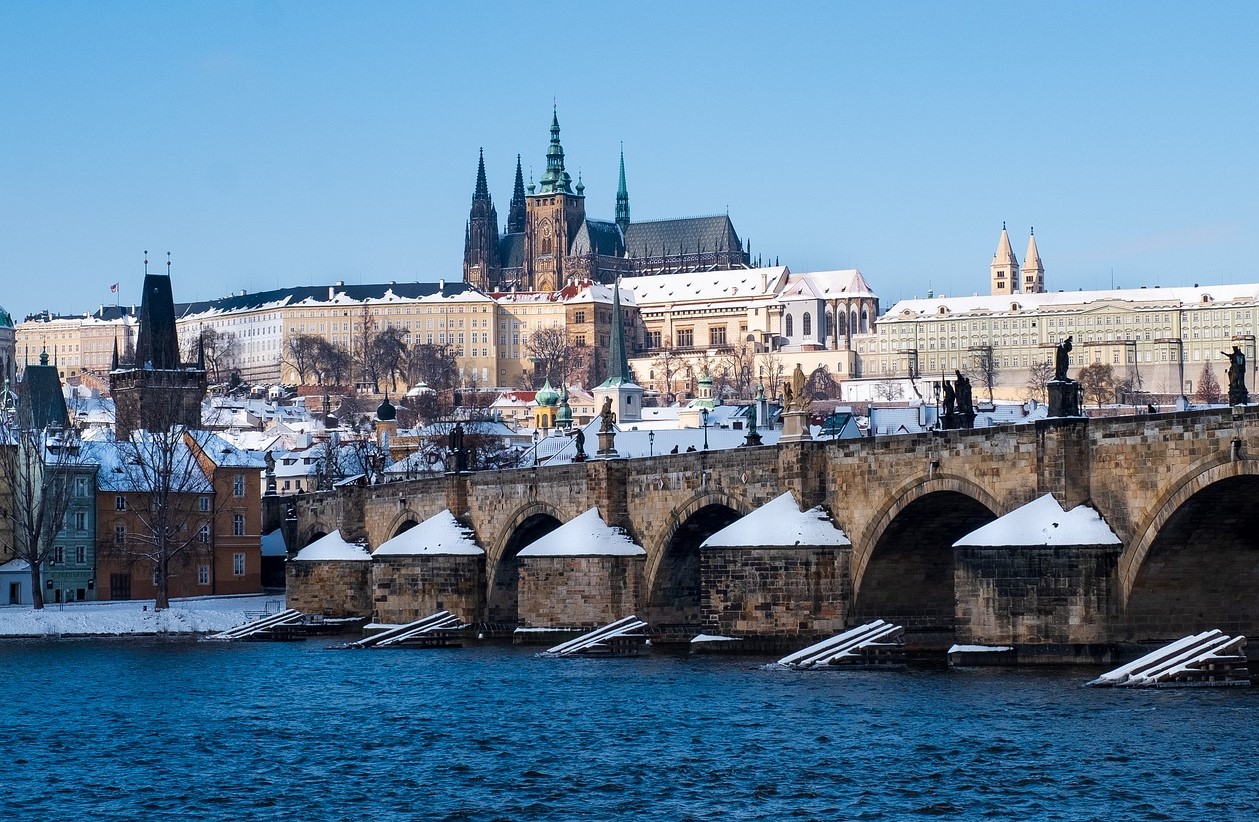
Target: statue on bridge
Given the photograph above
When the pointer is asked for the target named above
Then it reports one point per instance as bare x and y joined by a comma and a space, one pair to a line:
1062, 360
950, 404
1237, 394
457, 454
1064, 392
579, 439
965, 405
607, 416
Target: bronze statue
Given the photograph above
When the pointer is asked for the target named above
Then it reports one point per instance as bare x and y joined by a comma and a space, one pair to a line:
1237, 394
950, 399
1062, 360
607, 416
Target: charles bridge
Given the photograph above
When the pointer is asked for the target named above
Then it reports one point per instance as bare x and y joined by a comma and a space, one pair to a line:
1179, 490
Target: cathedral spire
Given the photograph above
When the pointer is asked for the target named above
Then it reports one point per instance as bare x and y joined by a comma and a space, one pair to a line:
622, 198
1004, 269
1033, 268
516, 212
482, 188
556, 180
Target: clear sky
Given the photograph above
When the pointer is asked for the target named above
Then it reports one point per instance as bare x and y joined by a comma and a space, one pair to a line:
269, 144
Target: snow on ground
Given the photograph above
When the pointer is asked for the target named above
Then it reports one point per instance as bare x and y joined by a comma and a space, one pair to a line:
195, 615
1043, 522
779, 522
587, 535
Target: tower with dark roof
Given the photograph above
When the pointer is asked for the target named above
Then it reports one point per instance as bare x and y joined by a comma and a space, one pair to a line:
156, 391
480, 244
622, 199
516, 212
553, 214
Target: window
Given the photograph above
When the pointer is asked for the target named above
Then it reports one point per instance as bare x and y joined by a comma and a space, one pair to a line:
238, 564
653, 339
790, 327
80, 554
120, 534
806, 324
238, 525
203, 575
80, 520
58, 555
203, 504
120, 503
579, 316
238, 485
717, 335
203, 534
80, 486
686, 338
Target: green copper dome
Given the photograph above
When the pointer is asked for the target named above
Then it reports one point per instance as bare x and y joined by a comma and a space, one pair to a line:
6, 319
547, 396
564, 416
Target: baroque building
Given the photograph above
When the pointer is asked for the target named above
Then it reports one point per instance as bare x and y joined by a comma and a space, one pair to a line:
549, 239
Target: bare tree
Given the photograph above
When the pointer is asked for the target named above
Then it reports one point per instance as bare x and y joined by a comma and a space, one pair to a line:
556, 355
1097, 381
821, 385
1208, 392
334, 362
37, 471
889, 390
771, 370
363, 361
389, 354
301, 353
740, 363
169, 500
1038, 376
433, 365
666, 365
221, 350
987, 367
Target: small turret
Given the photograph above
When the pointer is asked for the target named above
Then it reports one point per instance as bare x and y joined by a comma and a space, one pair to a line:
622, 198
516, 212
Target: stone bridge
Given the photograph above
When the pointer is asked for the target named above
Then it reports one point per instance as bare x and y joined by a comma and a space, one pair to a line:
1179, 490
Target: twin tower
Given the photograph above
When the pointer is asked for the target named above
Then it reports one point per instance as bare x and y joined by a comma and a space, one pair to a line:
1007, 278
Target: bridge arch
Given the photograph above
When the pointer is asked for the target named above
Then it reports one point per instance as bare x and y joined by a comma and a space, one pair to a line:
902, 567
673, 582
313, 531
1194, 562
402, 522
528, 523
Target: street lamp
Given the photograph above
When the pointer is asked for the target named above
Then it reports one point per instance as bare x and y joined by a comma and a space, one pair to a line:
704, 414
651, 443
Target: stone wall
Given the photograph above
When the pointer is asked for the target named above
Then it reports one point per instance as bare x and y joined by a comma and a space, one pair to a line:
407, 588
579, 592
334, 588
801, 591
1036, 595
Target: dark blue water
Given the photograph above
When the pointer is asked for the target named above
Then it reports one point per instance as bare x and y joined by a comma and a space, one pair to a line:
163, 730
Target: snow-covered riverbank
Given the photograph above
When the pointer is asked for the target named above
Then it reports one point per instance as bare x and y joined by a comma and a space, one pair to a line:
185, 616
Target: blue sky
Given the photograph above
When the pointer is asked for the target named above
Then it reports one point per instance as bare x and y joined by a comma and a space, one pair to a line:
274, 143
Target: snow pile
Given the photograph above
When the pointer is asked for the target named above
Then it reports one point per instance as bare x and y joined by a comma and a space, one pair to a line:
333, 546
196, 615
1043, 522
439, 535
585, 536
779, 522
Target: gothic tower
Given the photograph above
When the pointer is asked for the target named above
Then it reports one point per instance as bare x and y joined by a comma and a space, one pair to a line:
1033, 269
552, 217
157, 391
480, 245
516, 212
1005, 267
622, 199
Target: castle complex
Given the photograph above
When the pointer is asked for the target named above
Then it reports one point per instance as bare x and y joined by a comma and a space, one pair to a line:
549, 239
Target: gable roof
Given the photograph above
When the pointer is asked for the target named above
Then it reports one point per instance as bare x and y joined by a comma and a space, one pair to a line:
688, 234
598, 237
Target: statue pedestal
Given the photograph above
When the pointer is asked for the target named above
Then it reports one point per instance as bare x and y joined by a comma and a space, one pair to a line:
1064, 398
607, 444
1238, 395
795, 427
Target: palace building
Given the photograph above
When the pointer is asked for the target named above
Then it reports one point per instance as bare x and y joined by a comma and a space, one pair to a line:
549, 240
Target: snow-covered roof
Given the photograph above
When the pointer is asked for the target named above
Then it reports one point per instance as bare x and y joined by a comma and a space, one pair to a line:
779, 522
1160, 298
1044, 522
706, 285
333, 547
125, 467
587, 535
224, 453
439, 535
15, 566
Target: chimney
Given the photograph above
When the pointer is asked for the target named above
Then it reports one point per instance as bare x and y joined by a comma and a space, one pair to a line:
441, 285
332, 291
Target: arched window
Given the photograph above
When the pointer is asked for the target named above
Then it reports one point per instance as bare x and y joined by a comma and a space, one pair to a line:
865, 321
842, 329
790, 327
827, 323
806, 325
853, 327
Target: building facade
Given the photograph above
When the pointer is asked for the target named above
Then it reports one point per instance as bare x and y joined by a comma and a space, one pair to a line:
81, 346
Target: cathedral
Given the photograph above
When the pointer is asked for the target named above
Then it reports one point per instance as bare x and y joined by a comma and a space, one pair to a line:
549, 240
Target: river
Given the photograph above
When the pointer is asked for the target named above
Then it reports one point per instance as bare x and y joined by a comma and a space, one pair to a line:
150, 729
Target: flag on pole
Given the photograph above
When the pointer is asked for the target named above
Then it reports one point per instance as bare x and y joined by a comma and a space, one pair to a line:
113, 289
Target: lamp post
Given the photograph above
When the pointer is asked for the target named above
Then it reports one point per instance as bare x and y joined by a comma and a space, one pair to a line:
704, 414
651, 443
535, 447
